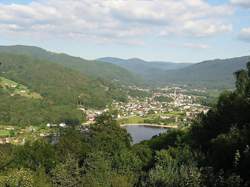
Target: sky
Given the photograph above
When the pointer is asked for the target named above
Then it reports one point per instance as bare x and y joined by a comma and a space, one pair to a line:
162, 30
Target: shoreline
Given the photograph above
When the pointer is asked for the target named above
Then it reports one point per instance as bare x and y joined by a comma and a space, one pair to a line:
150, 125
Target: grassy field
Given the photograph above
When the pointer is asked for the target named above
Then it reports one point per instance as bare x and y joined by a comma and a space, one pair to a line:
4, 133
131, 120
17, 89
138, 119
154, 118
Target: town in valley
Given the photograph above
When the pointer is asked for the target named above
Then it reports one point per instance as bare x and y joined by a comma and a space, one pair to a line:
171, 107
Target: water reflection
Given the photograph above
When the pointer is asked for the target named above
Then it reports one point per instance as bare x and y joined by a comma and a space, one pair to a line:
140, 133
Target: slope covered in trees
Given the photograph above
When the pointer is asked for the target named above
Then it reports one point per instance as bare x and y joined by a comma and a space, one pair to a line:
61, 89
212, 152
219, 142
146, 69
91, 69
212, 73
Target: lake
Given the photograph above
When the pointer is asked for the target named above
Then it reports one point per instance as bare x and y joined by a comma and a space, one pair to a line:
140, 132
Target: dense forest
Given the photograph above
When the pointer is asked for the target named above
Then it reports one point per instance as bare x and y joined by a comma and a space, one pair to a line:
92, 69
213, 151
213, 74
217, 73
61, 89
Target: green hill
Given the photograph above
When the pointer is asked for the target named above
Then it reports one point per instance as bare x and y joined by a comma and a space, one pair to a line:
148, 70
212, 74
14, 88
92, 69
61, 89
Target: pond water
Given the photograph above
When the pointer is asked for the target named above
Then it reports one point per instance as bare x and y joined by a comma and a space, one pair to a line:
140, 132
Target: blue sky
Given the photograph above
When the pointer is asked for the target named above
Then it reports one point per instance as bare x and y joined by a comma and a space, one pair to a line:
15, 1
170, 30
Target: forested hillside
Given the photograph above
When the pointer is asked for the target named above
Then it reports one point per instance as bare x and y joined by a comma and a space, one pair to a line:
61, 90
148, 70
211, 74
212, 152
92, 69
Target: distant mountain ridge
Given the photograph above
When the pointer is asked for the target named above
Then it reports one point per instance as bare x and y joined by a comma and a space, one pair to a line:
34, 91
142, 67
56, 83
217, 73
92, 69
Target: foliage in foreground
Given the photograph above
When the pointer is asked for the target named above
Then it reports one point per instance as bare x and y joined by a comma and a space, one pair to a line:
213, 152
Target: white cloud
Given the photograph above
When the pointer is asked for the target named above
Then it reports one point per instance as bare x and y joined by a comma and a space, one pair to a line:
115, 21
241, 3
245, 34
205, 28
195, 46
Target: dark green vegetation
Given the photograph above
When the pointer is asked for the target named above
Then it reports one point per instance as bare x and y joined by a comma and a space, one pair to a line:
101, 156
210, 74
213, 152
219, 142
91, 69
15, 88
163, 99
139, 93
61, 90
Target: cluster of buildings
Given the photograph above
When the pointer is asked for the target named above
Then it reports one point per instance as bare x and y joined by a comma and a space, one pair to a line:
12, 140
9, 136
162, 101
171, 104
91, 114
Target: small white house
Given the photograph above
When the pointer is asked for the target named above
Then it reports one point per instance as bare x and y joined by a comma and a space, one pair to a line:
62, 125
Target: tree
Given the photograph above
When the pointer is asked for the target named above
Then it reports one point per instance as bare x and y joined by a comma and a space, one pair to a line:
98, 172
222, 135
107, 136
175, 167
18, 177
36, 155
242, 80
72, 142
67, 174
